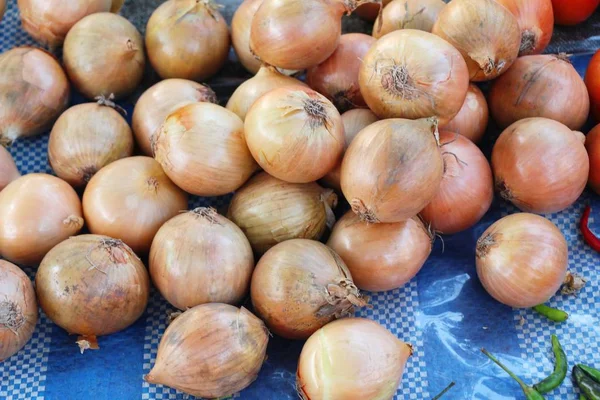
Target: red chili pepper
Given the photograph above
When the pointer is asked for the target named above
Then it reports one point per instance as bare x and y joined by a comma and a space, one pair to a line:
588, 235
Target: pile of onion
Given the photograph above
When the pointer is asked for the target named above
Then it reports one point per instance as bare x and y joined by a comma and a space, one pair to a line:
522, 260
408, 14
536, 21
301, 285
221, 348
271, 211
592, 145
414, 74
8, 169
472, 119
240, 34
540, 165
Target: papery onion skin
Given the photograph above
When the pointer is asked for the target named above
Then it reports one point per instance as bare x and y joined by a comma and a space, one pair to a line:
536, 21
295, 134
103, 55
232, 337
201, 257
37, 211
408, 14
414, 74
370, 11
34, 91
240, 34
202, 148
522, 260
352, 358
472, 119
485, 32
8, 169
300, 285
592, 145
545, 86
130, 199
270, 211
381, 257
18, 309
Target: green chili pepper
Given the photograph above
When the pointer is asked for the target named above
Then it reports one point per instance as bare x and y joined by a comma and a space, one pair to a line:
589, 387
560, 369
552, 314
530, 393
594, 373
443, 392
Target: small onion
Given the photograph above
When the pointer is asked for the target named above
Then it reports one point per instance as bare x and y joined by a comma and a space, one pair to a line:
104, 55
392, 169
201, 257
353, 358
295, 134
202, 148
37, 211
467, 189
592, 145
300, 285
34, 91
408, 14
130, 199
18, 309
240, 34
486, 33
536, 21
370, 11
219, 348
472, 119
187, 39
540, 165
522, 260
381, 257
271, 211
8, 169
540, 86
414, 74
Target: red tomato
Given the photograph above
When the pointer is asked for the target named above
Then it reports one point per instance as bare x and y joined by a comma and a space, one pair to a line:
592, 81
573, 12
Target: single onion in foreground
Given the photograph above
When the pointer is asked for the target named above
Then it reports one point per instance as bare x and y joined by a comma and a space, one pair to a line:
8, 169
536, 21
472, 119
592, 145
408, 14
240, 34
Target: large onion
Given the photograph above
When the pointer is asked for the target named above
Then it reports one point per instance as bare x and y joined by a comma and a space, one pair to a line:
221, 348
300, 285
37, 211
18, 309
592, 145
408, 14
240, 34
536, 21
472, 119
271, 211
414, 74
540, 165
522, 260
202, 148
8, 169
34, 91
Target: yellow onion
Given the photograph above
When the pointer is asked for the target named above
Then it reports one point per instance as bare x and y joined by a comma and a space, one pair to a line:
522, 260
381, 256
370, 11
240, 34
472, 119
353, 358
8, 169
34, 91
300, 285
414, 74
536, 21
271, 211
408, 14
220, 349
92, 285
37, 211
485, 32
18, 309
103, 55
159, 101
130, 199
295, 134
540, 165
201, 257
187, 39
202, 148
392, 169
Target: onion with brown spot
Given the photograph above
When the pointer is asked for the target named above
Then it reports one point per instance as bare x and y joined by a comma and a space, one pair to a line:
408, 14
536, 21
472, 119
8, 169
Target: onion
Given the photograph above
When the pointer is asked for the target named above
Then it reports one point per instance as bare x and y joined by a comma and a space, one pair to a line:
536, 21
540, 165
270, 211
201, 257
540, 86
240, 34
202, 148
472, 119
266, 79
408, 14
353, 358
414, 74
37, 211
8, 169
130, 199
92, 285
381, 257
467, 189
300, 285
187, 39
370, 11
392, 169
104, 55
18, 309
486, 33
221, 348
295, 134
34, 91
592, 144
337, 77
522, 260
